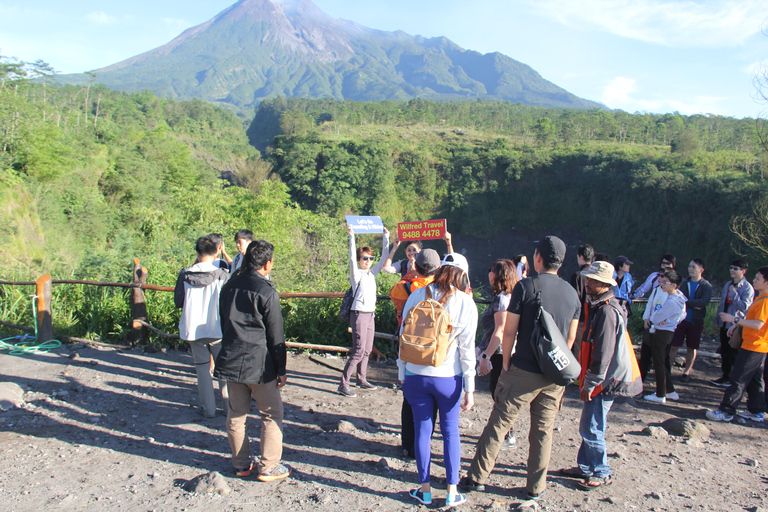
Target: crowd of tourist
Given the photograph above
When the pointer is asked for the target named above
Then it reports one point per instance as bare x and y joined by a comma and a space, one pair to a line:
231, 315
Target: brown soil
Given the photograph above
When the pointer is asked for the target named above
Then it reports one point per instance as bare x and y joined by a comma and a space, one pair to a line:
119, 430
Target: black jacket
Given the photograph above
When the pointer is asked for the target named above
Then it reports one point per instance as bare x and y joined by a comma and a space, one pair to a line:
699, 302
253, 341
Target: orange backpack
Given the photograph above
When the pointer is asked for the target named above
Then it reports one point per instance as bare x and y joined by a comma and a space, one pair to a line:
426, 333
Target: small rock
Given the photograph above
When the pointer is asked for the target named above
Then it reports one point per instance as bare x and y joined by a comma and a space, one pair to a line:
155, 475
93, 362
11, 395
465, 423
752, 462
79, 388
208, 483
656, 432
693, 442
74, 355
528, 506
654, 495
383, 463
345, 426
686, 428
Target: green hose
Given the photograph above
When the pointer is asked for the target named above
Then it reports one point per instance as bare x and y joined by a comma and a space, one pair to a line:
23, 347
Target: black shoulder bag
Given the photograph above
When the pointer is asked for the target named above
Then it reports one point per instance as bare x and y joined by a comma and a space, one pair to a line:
552, 353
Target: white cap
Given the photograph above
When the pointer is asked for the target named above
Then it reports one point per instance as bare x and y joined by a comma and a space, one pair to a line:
456, 260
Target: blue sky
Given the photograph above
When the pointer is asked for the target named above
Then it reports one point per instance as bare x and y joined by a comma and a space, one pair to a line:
640, 55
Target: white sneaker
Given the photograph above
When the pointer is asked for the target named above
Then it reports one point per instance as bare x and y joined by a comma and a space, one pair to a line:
509, 443
654, 398
673, 396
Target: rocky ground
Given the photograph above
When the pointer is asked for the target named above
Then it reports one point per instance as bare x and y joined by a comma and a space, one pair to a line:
104, 429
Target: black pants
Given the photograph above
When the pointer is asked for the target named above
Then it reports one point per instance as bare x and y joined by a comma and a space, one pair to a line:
407, 432
497, 364
656, 349
727, 353
747, 376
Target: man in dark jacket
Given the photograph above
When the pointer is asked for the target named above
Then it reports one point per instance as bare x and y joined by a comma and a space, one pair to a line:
606, 370
252, 361
698, 291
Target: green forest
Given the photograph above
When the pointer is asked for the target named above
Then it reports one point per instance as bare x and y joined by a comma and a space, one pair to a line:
91, 178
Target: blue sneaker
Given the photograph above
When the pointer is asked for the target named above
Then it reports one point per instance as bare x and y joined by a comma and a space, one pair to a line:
454, 500
719, 415
752, 416
425, 498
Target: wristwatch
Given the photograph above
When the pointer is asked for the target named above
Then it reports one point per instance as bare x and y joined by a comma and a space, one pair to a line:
484, 356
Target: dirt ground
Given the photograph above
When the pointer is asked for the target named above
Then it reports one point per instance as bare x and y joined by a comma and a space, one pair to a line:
119, 430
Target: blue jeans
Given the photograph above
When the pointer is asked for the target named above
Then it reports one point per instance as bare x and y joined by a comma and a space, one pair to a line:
593, 456
422, 392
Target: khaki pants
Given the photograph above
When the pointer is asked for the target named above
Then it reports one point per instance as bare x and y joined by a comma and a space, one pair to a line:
202, 350
516, 389
270, 405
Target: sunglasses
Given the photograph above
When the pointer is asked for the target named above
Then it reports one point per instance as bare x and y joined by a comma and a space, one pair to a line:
734, 267
367, 258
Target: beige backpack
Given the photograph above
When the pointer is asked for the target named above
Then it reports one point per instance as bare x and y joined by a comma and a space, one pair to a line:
426, 333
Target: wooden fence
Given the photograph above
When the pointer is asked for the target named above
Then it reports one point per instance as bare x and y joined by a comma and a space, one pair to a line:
140, 319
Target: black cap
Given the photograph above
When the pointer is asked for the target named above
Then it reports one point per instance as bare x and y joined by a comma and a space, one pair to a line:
428, 259
621, 260
551, 249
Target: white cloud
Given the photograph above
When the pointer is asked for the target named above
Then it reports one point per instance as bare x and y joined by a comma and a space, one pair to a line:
619, 93
101, 18
687, 23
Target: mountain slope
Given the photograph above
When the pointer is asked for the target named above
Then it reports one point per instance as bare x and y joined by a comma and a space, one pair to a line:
259, 49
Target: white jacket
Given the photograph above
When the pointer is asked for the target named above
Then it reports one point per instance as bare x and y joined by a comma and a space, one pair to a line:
197, 292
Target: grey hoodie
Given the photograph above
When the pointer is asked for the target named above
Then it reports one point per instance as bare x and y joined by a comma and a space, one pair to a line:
671, 313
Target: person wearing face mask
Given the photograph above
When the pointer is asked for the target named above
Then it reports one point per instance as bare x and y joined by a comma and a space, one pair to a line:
735, 299
362, 277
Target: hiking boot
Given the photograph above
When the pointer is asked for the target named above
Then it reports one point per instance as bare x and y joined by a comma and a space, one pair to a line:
657, 399
752, 416
345, 391
466, 484
718, 415
366, 385
425, 498
276, 473
722, 382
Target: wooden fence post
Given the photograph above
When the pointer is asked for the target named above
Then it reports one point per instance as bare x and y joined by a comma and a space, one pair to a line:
138, 305
44, 320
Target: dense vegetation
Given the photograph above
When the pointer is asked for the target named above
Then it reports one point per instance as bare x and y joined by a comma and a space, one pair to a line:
633, 184
91, 178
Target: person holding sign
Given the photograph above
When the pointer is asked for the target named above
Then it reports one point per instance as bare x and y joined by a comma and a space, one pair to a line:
362, 277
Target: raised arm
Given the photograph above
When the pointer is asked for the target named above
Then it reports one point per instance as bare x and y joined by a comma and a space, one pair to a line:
384, 252
388, 268
448, 242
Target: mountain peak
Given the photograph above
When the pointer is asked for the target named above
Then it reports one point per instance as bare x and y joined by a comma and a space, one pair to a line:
258, 49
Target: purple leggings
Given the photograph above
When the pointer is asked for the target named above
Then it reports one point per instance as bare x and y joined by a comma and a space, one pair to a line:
422, 392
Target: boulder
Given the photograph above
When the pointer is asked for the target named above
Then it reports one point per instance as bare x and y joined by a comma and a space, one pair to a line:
11, 395
686, 428
208, 483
